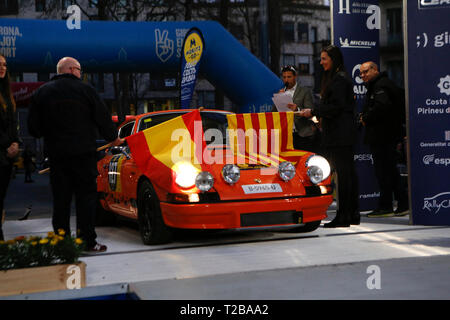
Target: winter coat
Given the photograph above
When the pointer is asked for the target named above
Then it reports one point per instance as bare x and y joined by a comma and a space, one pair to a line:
337, 112
68, 113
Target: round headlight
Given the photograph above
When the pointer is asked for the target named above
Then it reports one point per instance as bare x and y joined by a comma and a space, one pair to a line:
231, 173
204, 181
321, 163
185, 174
315, 174
286, 170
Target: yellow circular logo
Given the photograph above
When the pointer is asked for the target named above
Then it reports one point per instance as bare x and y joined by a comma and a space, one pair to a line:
193, 49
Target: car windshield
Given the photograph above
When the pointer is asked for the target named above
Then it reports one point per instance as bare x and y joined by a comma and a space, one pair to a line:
214, 124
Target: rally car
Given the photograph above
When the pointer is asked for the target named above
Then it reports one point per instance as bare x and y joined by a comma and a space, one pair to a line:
230, 195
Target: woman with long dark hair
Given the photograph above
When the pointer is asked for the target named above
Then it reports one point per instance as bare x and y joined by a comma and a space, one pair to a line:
9, 140
337, 113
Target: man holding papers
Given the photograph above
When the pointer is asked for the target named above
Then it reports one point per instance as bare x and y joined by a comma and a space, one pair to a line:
293, 97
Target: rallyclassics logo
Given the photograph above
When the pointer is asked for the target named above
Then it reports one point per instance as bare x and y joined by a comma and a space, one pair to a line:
435, 203
433, 4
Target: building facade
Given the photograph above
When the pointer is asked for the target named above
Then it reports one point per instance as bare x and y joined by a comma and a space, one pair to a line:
303, 25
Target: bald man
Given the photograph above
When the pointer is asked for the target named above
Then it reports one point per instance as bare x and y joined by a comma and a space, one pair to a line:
381, 117
68, 113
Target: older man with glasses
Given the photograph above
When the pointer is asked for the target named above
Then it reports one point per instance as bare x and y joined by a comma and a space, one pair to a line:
68, 112
382, 118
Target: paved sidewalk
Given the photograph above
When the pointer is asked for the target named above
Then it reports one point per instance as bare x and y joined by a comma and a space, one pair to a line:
21, 195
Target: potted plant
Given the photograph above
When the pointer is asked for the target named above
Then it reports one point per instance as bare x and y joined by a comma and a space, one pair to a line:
34, 264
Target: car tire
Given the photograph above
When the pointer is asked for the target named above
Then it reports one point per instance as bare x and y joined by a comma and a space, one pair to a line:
104, 217
151, 224
307, 227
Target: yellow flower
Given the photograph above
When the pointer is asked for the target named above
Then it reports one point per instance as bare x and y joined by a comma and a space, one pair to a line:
50, 234
54, 241
43, 241
2, 242
61, 232
34, 243
78, 241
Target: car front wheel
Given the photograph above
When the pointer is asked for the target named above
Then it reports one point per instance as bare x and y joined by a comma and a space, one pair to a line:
151, 224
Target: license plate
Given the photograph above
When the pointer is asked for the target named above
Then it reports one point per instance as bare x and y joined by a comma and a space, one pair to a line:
262, 188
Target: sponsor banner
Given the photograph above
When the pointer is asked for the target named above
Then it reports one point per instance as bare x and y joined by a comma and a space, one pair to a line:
193, 47
356, 26
428, 35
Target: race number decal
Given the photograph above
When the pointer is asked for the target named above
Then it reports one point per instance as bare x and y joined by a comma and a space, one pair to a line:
114, 173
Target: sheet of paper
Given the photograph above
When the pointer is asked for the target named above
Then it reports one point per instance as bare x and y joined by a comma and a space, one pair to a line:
281, 101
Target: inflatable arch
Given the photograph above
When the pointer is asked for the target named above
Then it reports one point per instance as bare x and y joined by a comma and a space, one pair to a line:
105, 46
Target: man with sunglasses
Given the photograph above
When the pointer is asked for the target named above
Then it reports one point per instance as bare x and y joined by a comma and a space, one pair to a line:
68, 113
305, 131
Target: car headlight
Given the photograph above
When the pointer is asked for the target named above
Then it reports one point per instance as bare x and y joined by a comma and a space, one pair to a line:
286, 170
318, 168
186, 174
204, 181
231, 173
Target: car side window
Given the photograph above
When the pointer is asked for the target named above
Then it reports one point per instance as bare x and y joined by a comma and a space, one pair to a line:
126, 130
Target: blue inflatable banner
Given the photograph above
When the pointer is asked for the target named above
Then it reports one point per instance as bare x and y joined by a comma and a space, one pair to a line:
111, 46
428, 95
356, 26
192, 50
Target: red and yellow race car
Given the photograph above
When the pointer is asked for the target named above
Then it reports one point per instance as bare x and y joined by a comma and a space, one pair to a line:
228, 196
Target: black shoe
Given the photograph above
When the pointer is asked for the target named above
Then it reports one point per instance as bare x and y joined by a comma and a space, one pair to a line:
355, 220
336, 224
401, 211
380, 213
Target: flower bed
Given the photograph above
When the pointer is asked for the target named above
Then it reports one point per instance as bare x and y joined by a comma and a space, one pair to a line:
33, 251
37, 264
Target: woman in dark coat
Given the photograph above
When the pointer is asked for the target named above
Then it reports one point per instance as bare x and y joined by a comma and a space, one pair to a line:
337, 113
9, 140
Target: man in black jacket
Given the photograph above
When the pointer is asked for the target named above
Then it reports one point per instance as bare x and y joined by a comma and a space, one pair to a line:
382, 119
67, 113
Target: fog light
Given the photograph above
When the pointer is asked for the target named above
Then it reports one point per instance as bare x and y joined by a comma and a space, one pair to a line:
315, 174
231, 173
204, 181
286, 170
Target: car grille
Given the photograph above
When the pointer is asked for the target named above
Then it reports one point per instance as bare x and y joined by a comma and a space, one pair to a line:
271, 218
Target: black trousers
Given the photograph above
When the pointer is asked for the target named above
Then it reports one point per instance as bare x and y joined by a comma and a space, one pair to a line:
311, 143
342, 162
75, 176
388, 176
5, 176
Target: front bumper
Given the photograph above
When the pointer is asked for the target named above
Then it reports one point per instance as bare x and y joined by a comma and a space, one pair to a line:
238, 214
